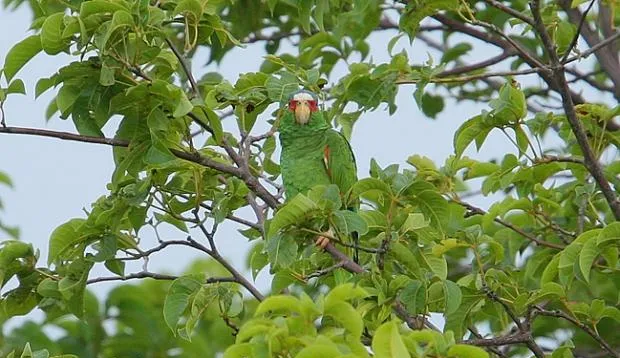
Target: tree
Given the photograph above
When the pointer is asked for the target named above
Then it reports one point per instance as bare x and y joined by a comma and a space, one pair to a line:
534, 274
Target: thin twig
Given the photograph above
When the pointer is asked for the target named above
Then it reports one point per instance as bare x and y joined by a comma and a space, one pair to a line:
478, 65
155, 276
215, 254
510, 11
478, 211
577, 33
185, 68
324, 271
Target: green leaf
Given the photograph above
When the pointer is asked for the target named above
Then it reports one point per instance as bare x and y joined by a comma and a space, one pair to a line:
281, 280
167, 218
106, 77
470, 130
52, 41
72, 286
416, 11
43, 84
66, 98
438, 265
282, 250
204, 298
319, 350
4, 179
322, 7
280, 89
387, 342
456, 51
348, 221
293, 212
20, 54
93, 7
432, 105
178, 298
452, 296
414, 222
344, 292
563, 35
343, 313
120, 20
303, 8
116, 266
467, 351
588, 254
64, 237
510, 107
16, 86
458, 320
609, 235
414, 297
281, 303
370, 185
158, 154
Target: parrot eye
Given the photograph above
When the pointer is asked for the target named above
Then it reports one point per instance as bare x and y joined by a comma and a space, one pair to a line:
314, 106
292, 104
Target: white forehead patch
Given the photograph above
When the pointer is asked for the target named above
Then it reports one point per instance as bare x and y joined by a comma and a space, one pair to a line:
303, 96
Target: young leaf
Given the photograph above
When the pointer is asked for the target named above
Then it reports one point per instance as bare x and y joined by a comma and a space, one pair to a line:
20, 54
178, 298
64, 237
388, 343
295, 211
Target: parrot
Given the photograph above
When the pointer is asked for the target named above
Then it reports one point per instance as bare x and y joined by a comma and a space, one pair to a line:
313, 153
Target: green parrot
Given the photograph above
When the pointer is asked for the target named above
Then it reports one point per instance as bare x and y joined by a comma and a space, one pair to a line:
312, 152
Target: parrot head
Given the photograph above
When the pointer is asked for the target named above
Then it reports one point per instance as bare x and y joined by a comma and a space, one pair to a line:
302, 104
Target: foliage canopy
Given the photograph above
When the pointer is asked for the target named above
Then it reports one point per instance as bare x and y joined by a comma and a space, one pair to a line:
534, 274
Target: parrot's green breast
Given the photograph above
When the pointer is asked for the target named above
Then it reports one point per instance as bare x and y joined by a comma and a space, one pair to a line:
301, 160
314, 154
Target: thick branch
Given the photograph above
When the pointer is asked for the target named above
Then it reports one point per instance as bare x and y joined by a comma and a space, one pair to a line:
591, 161
607, 58
499, 341
456, 25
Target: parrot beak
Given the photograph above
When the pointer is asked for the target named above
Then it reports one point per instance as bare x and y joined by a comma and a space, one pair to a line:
302, 112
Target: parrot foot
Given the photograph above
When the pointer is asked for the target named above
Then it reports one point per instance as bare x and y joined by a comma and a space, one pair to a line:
323, 241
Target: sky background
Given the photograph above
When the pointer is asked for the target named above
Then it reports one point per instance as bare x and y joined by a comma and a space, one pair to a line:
56, 180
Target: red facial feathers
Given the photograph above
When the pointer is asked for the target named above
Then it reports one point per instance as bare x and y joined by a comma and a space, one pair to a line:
314, 106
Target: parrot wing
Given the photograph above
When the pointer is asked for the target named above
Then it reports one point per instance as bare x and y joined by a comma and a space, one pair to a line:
339, 161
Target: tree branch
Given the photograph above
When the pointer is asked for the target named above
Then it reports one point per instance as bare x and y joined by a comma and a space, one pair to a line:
215, 254
524, 327
510, 11
579, 29
608, 60
557, 313
520, 337
143, 274
501, 43
591, 162
478, 211
478, 65
185, 68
